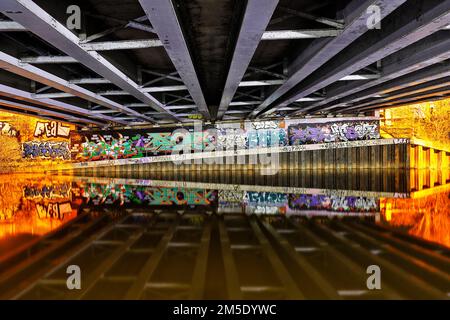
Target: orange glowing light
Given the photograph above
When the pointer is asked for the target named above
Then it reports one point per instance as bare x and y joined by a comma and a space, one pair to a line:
427, 217
428, 122
33, 205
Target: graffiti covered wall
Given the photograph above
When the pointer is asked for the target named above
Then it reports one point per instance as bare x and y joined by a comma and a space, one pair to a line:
26, 138
336, 131
120, 194
122, 144
282, 203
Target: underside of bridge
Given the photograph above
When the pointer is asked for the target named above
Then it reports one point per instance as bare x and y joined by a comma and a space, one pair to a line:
143, 62
225, 149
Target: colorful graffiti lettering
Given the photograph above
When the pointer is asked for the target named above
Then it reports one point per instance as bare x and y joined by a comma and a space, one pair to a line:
105, 145
333, 132
265, 125
332, 203
266, 138
56, 210
267, 198
47, 191
231, 138
123, 145
111, 193
7, 130
46, 150
52, 129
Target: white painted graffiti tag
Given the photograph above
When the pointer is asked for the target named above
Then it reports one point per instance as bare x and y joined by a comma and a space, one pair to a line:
265, 125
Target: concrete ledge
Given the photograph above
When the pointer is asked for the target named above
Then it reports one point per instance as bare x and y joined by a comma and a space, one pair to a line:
242, 152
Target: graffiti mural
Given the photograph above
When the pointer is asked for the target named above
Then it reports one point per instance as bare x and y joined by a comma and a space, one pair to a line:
121, 194
28, 139
252, 202
53, 210
266, 198
46, 150
123, 144
306, 133
333, 203
135, 143
47, 191
265, 134
231, 138
52, 129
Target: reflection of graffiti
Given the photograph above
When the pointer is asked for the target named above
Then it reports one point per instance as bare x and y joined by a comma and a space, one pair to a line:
7, 130
52, 129
267, 198
55, 210
46, 150
109, 194
333, 132
231, 196
47, 192
333, 203
264, 210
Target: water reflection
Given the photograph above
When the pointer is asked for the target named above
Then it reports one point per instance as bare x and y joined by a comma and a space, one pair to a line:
425, 214
146, 238
33, 206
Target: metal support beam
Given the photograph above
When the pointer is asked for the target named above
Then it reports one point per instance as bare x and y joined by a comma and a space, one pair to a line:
162, 15
11, 26
409, 66
121, 45
300, 34
35, 19
256, 18
323, 20
412, 91
45, 112
356, 77
430, 95
401, 29
250, 83
48, 60
49, 103
135, 23
257, 83
26, 70
322, 50
89, 81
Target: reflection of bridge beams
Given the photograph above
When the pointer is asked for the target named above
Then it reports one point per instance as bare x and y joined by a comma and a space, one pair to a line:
131, 252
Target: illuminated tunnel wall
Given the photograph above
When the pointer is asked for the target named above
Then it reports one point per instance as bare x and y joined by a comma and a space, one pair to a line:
26, 139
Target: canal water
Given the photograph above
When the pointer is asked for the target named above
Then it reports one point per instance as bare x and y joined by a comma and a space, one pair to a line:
206, 235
